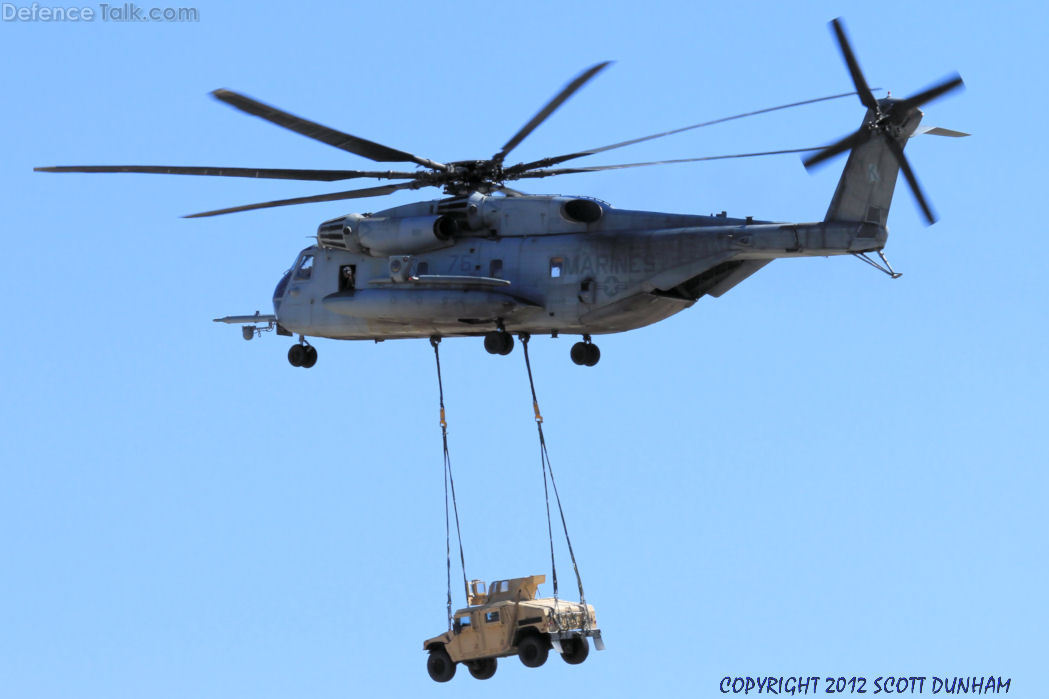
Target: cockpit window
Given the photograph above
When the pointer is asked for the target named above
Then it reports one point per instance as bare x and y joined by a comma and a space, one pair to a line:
282, 286
305, 268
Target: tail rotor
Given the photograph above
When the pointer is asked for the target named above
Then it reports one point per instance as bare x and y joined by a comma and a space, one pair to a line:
892, 120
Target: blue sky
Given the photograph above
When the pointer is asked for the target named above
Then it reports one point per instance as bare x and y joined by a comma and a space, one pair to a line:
824, 472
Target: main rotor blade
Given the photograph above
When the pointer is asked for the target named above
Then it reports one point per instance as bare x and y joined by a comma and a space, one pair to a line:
264, 173
546, 111
509, 192
851, 141
854, 67
547, 162
334, 196
598, 168
353, 144
912, 180
932, 93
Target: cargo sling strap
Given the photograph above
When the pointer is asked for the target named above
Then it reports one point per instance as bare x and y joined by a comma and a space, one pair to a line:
449, 486
544, 458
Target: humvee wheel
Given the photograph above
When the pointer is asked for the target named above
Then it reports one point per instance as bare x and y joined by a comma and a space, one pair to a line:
533, 651
440, 666
574, 650
482, 669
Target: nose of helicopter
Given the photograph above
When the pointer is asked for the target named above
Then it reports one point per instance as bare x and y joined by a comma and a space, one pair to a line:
278, 292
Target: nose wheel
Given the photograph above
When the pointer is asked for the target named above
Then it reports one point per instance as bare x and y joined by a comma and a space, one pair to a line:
585, 353
302, 354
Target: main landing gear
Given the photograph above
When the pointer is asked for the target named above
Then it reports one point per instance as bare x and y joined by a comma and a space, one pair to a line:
303, 354
585, 353
499, 342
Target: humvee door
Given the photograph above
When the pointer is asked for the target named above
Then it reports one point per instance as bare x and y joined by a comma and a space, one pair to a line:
466, 639
497, 627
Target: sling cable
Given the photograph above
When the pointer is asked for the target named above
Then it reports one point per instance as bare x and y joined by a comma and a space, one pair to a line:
548, 469
528, 626
449, 487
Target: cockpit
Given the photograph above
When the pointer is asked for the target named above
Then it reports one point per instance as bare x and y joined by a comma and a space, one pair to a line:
301, 271
304, 269
282, 286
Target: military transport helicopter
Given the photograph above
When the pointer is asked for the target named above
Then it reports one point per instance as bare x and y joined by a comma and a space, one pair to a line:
491, 261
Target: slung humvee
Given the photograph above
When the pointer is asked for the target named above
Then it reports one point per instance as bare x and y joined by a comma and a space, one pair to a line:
507, 619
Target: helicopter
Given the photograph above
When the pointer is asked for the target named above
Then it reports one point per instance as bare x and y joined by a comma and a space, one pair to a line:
491, 261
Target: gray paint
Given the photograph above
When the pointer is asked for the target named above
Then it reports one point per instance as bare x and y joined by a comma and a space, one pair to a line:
624, 271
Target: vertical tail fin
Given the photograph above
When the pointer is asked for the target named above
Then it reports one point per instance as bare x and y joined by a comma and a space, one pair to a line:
865, 189
876, 149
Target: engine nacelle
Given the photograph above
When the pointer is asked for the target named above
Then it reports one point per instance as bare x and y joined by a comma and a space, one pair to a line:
386, 237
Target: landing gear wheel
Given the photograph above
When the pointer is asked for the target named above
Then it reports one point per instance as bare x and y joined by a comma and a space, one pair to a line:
533, 651
508, 344
499, 342
574, 650
579, 353
585, 354
493, 342
482, 669
297, 355
311, 357
593, 355
440, 666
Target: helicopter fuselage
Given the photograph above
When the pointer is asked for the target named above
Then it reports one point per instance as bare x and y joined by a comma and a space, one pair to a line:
538, 264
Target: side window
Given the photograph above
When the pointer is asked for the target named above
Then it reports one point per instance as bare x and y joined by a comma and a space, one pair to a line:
461, 623
495, 268
305, 269
491, 617
587, 290
347, 277
556, 265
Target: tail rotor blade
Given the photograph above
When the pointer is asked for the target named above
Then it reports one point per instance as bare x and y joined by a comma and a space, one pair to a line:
866, 97
932, 93
854, 139
912, 180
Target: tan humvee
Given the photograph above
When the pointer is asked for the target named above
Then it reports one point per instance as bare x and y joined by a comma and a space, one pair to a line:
507, 619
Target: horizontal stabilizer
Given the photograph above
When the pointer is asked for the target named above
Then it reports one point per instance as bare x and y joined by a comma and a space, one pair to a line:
938, 131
